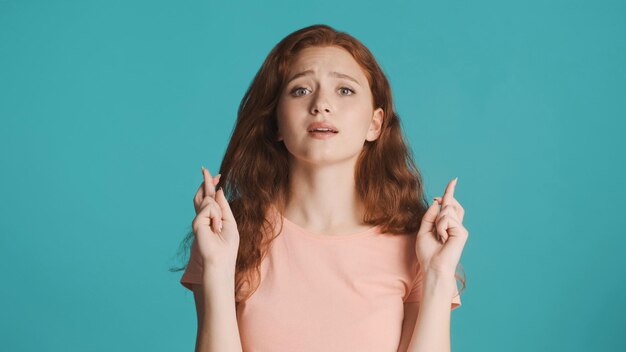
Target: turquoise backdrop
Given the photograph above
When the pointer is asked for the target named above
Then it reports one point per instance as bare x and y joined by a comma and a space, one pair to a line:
108, 109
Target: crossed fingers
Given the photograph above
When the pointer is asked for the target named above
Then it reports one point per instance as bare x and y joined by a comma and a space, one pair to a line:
450, 217
449, 205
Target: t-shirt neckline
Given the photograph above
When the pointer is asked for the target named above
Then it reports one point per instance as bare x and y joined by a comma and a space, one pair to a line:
299, 229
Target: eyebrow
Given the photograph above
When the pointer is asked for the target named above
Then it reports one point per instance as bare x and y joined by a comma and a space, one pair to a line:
333, 73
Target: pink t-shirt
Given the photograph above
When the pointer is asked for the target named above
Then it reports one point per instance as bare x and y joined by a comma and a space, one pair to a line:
327, 292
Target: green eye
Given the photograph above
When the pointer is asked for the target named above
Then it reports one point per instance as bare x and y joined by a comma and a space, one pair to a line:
348, 89
343, 90
297, 89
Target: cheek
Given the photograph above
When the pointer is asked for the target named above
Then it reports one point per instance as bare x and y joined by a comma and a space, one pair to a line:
361, 118
286, 115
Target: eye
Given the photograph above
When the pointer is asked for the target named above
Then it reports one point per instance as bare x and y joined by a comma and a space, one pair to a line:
348, 89
297, 89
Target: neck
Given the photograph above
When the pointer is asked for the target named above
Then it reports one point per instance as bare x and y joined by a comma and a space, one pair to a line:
324, 198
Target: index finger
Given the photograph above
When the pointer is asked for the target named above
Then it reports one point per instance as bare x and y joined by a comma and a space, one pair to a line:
449, 193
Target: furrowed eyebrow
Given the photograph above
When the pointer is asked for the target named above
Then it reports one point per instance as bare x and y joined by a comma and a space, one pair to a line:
333, 73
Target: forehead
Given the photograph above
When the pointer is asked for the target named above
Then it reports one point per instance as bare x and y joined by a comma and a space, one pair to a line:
326, 59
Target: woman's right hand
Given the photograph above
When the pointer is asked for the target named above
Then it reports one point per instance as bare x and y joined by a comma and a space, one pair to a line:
214, 226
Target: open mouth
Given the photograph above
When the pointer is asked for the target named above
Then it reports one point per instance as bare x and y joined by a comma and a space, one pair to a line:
322, 133
322, 130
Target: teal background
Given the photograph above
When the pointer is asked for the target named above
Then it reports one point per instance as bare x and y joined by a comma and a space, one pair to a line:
109, 108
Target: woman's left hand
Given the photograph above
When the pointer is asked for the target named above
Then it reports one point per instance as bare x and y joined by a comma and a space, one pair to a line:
441, 237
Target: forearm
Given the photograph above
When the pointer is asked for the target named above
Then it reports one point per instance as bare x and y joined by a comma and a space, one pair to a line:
432, 329
218, 330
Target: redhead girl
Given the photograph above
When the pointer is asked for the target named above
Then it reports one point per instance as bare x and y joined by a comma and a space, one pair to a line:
316, 234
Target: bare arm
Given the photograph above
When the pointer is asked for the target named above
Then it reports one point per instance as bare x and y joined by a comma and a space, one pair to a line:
432, 329
217, 319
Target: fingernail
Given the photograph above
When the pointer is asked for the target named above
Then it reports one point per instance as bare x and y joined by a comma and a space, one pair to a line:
456, 179
202, 168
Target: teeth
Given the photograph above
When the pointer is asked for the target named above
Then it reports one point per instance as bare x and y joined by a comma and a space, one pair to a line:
322, 129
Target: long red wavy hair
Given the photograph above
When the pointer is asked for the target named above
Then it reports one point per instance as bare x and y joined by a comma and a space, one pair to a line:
255, 167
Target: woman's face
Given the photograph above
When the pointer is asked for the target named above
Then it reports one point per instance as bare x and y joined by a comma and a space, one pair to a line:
326, 84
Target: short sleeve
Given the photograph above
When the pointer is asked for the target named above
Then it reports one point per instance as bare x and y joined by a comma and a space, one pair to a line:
415, 295
193, 272
456, 301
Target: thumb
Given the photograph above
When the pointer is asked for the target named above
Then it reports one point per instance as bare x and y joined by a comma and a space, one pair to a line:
428, 221
223, 203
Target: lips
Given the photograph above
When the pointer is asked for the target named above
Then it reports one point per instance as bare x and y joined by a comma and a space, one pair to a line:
322, 125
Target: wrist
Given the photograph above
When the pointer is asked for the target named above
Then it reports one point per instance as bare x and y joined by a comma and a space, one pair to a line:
436, 283
220, 275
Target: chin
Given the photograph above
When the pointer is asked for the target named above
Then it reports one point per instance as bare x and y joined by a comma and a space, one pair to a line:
325, 159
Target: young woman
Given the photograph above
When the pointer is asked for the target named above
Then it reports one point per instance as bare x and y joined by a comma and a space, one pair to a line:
319, 236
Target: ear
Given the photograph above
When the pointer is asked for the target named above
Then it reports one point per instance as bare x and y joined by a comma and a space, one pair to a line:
376, 126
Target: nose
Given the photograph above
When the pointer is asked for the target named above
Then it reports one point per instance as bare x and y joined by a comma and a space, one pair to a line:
317, 110
320, 103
